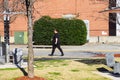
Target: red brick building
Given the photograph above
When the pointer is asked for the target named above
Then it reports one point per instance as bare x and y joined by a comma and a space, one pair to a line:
87, 10
81, 9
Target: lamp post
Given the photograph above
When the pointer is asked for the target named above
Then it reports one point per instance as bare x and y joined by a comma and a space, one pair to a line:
6, 27
6, 34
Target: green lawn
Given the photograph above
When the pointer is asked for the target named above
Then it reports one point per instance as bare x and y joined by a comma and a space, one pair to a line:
61, 69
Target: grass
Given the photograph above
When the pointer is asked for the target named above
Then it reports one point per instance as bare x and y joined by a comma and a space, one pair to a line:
75, 70
8, 69
55, 73
61, 69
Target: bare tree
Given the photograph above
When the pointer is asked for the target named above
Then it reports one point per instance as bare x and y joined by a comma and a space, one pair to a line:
25, 7
113, 7
29, 10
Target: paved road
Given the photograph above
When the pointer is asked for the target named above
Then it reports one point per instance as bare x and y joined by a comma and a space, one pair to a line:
84, 51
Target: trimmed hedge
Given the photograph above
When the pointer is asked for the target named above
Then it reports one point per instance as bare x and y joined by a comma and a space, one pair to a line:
72, 32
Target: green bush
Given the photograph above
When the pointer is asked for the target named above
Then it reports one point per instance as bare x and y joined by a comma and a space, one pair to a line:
72, 32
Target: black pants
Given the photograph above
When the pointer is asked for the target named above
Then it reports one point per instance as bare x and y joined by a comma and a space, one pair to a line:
56, 46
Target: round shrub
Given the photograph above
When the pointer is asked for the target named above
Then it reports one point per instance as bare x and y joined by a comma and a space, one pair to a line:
72, 32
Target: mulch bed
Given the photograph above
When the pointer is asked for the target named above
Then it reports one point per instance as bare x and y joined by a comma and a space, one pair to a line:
27, 78
103, 55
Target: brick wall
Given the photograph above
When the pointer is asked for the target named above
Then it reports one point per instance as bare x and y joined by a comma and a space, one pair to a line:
87, 9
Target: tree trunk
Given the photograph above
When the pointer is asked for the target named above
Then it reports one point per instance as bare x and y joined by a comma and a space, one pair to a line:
30, 36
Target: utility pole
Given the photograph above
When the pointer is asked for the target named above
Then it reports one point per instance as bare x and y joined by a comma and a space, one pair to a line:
6, 29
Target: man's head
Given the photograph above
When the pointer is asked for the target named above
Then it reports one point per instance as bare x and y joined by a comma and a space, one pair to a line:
55, 31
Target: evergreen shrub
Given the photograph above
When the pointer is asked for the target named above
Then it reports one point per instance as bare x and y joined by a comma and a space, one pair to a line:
72, 32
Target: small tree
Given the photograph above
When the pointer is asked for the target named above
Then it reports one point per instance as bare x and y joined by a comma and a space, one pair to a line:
29, 4
22, 6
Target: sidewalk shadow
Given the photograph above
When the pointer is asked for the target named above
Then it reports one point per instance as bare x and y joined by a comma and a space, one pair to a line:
102, 69
51, 58
22, 70
110, 73
17, 63
92, 61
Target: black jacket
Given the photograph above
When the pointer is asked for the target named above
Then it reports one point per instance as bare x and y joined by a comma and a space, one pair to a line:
56, 35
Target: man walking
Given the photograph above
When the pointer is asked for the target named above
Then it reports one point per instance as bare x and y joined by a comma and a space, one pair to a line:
56, 43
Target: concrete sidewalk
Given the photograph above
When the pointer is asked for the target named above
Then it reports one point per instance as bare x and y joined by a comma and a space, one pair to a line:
87, 47
12, 65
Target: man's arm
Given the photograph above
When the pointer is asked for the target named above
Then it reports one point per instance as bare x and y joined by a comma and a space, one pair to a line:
56, 40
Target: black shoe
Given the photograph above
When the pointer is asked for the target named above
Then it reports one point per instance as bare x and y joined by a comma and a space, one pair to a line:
50, 55
62, 55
